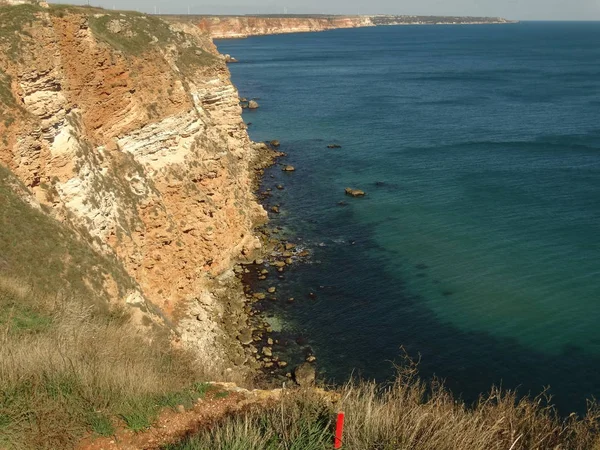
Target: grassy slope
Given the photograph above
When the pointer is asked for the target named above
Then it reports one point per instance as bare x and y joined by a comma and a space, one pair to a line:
37, 249
406, 415
68, 362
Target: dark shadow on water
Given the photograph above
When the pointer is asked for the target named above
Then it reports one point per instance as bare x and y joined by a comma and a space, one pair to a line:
363, 314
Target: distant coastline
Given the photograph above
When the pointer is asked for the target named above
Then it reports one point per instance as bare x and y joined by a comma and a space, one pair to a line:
229, 27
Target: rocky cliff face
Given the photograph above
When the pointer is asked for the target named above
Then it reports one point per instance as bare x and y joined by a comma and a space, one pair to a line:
239, 27
129, 130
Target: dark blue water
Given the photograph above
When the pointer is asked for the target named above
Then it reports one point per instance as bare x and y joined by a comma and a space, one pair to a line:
478, 244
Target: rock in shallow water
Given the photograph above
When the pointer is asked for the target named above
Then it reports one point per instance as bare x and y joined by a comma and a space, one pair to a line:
304, 375
355, 192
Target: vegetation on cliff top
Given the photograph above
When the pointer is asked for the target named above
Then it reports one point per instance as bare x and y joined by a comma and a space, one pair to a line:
13, 23
131, 32
408, 414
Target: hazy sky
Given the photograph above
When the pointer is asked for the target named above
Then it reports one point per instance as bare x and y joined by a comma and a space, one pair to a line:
512, 9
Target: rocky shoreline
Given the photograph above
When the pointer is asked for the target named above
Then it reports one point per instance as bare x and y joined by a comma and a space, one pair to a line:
261, 341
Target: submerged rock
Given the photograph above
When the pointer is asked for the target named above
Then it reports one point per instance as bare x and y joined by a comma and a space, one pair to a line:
304, 375
275, 143
355, 192
334, 146
245, 336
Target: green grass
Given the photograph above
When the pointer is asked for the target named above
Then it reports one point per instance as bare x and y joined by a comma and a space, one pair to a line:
139, 32
101, 424
21, 319
6, 96
201, 389
13, 21
191, 58
32, 242
299, 423
139, 415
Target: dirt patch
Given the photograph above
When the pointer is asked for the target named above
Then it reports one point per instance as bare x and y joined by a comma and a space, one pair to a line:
171, 425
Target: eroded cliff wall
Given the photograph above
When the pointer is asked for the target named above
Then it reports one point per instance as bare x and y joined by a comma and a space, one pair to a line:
239, 27
128, 130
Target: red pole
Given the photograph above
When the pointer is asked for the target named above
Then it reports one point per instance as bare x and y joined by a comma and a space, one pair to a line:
339, 430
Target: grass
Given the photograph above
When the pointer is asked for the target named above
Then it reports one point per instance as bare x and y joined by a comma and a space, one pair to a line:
139, 32
101, 424
407, 414
300, 422
193, 57
6, 96
13, 21
85, 370
70, 363
29, 237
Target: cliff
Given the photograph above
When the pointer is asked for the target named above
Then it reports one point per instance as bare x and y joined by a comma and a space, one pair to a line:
229, 27
239, 27
128, 131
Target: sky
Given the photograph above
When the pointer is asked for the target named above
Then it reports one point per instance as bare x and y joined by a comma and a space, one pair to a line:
510, 9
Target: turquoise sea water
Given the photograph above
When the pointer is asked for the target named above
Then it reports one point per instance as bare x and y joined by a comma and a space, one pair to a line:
478, 244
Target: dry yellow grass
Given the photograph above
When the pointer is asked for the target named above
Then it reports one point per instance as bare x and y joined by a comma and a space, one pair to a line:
408, 414
67, 367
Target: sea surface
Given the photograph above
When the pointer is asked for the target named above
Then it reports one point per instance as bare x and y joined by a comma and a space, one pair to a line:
477, 247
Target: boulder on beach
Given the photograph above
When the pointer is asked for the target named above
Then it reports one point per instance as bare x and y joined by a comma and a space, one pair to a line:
245, 337
304, 375
289, 169
253, 104
355, 192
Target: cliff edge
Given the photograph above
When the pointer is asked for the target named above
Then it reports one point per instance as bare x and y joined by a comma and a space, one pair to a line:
128, 131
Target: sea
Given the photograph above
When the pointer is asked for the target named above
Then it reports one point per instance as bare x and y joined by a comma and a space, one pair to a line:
476, 250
